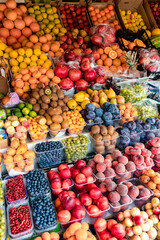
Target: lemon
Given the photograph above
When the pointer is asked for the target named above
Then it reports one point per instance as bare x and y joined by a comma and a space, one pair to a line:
144, 27
29, 52
33, 64
55, 15
3, 46
40, 62
43, 57
54, 9
15, 69
60, 34
34, 58
48, 62
13, 62
6, 55
46, 65
57, 21
23, 65
27, 60
20, 59
1, 53
37, 52
13, 54
8, 49
21, 51
55, 30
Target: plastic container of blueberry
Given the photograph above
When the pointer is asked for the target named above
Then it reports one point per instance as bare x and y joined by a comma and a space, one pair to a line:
139, 202
108, 145
23, 235
19, 200
36, 192
51, 157
48, 227
81, 187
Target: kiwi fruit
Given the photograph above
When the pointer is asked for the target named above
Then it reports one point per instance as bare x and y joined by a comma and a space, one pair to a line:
114, 135
57, 118
51, 84
103, 130
65, 99
41, 112
54, 97
36, 95
100, 149
53, 104
35, 90
59, 110
51, 111
44, 106
107, 143
32, 101
36, 107
45, 99
65, 108
40, 101
47, 90
41, 92
95, 129
64, 124
55, 126
49, 120
39, 85
97, 137
106, 137
60, 103
110, 130
60, 94
101, 143
54, 89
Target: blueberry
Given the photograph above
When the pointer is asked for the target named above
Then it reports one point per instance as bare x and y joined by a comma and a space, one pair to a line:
107, 116
139, 121
158, 124
131, 125
90, 107
150, 120
146, 126
90, 115
106, 105
99, 112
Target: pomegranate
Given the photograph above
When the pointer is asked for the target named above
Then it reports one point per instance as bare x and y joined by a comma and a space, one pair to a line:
90, 75
69, 56
61, 71
66, 84
75, 74
96, 39
81, 85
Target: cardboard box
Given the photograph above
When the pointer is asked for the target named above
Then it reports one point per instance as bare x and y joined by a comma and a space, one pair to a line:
133, 5
149, 13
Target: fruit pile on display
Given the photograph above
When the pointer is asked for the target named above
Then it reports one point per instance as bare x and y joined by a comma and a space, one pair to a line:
47, 235
2, 223
37, 128
110, 229
16, 25
136, 43
74, 17
49, 153
106, 15
155, 7
60, 180
82, 175
20, 219
43, 212
154, 146
132, 20
152, 209
138, 224
1, 193
48, 19
69, 207
24, 110
17, 128
128, 112
151, 129
77, 230
104, 139
152, 180
75, 147
15, 189
18, 159
92, 115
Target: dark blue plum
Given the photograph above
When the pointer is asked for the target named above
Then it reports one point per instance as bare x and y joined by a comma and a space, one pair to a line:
146, 126
139, 121
158, 124
83, 112
113, 108
125, 124
106, 105
133, 132
150, 135
131, 125
157, 133
98, 112
124, 132
107, 116
153, 127
124, 140
109, 123
90, 115
90, 107
134, 138
151, 120
98, 120
139, 128
116, 115
143, 137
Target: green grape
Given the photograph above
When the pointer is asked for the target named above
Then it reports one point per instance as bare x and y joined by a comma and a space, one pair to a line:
134, 93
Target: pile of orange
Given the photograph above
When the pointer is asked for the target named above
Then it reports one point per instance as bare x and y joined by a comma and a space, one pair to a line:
18, 157
75, 121
37, 128
78, 231
107, 15
113, 59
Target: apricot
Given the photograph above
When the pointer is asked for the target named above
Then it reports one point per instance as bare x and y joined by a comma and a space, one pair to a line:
38, 238
85, 225
151, 185
21, 149
46, 236
8, 159
74, 227
29, 162
81, 234
18, 158
150, 173
21, 164
11, 151
10, 166
145, 179
17, 169
156, 179
54, 236
28, 168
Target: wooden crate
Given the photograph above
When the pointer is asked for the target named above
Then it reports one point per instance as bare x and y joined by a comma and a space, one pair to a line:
149, 13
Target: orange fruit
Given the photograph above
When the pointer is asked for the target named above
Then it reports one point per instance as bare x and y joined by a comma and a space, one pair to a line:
116, 62
108, 62
100, 50
99, 62
107, 50
90, 8
96, 10
113, 68
103, 56
112, 54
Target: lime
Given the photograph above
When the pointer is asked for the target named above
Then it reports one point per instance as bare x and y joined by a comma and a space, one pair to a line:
29, 106
8, 112
18, 114
21, 105
25, 111
32, 114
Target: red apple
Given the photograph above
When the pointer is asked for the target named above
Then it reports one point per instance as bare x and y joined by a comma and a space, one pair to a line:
90, 75
100, 80
69, 203
62, 166
86, 200
66, 184
52, 174
78, 212
87, 171
105, 235
80, 178
62, 195
110, 223
96, 55
95, 193
80, 164
71, 194
77, 201
102, 203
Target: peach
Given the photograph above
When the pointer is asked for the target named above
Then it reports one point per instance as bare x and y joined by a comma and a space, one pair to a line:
120, 216
135, 211
116, 207
108, 163
144, 192
128, 222
128, 184
114, 197
64, 216
11, 151
125, 199
154, 219
98, 158
120, 168
54, 236
100, 176
111, 186
46, 236
133, 191
156, 179
122, 189
123, 160
114, 163
151, 185
129, 231
56, 183
137, 230
152, 233
100, 167
102, 187
109, 172
92, 164
127, 213
130, 166
116, 154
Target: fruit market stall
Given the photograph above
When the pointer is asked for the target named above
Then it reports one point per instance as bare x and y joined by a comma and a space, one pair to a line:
79, 120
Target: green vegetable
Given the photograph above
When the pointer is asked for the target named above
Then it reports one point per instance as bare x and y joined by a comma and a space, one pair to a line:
75, 147
134, 93
21, 105
29, 106
25, 111
32, 114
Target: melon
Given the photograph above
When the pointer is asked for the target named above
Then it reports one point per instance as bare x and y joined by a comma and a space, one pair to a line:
28, 20
22, 38
8, 24
11, 15
2, 7
23, 8
35, 27
27, 32
4, 32
20, 24
18, 11
11, 4
15, 33
11, 40
1, 15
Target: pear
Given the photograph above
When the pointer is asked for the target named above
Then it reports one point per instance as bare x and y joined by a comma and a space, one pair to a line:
102, 101
102, 95
95, 99
113, 101
111, 93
